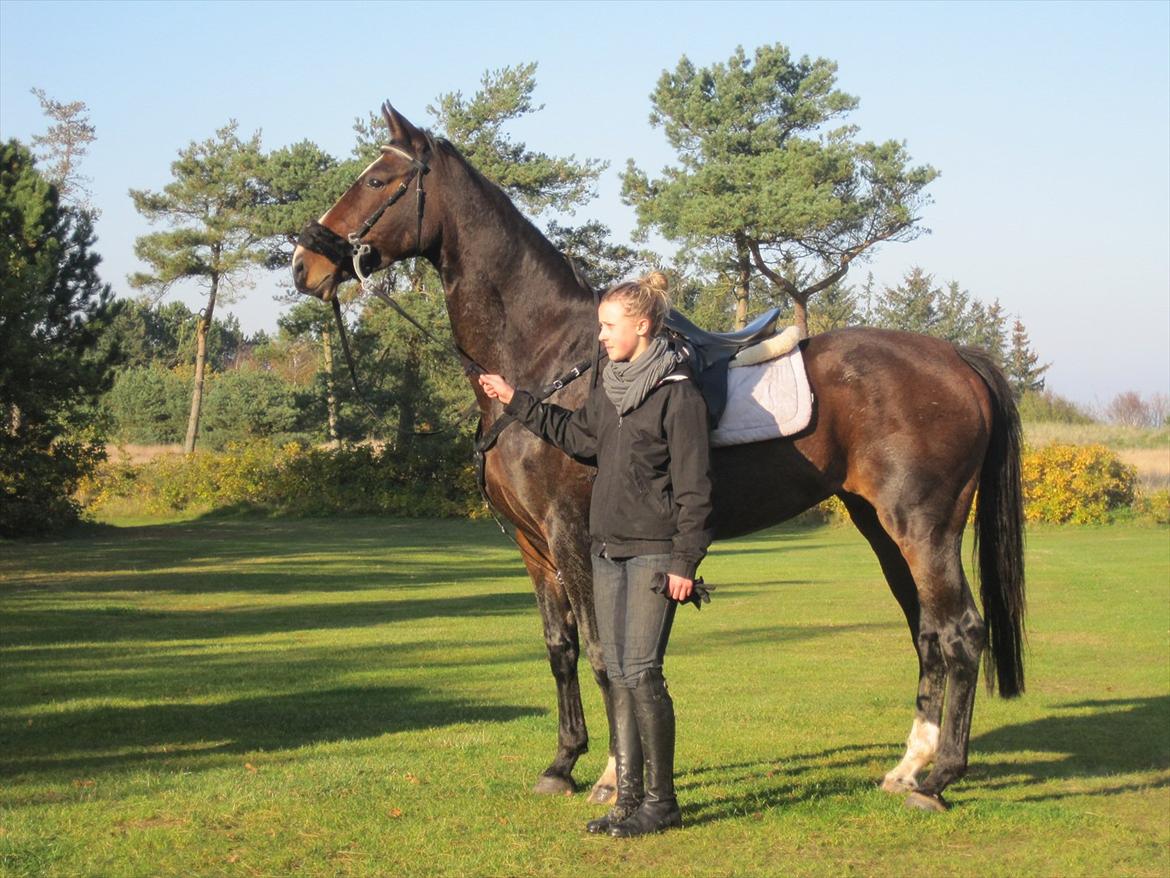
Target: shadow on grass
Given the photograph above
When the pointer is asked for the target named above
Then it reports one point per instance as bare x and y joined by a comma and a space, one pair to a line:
36, 627
779, 783
1121, 736
271, 557
1117, 736
188, 733
788, 634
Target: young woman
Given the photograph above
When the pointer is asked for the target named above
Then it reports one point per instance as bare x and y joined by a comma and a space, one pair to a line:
645, 427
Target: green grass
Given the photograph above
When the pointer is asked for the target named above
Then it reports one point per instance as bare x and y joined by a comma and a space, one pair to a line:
371, 697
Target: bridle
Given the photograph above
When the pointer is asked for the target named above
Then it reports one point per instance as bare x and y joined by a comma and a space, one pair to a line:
329, 244
323, 240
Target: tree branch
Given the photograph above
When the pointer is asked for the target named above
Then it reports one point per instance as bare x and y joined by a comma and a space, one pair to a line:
779, 280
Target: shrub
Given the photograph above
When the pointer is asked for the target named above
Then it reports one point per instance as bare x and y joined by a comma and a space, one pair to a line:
244, 405
1044, 406
37, 485
150, 405
1154, 506
1082, 484
290, 479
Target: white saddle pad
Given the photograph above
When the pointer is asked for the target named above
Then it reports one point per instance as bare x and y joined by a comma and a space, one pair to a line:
765, 401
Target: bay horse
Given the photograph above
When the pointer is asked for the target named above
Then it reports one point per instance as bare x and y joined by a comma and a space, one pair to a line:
906, 429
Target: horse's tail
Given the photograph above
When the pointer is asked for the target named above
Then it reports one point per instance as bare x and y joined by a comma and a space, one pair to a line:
999, 532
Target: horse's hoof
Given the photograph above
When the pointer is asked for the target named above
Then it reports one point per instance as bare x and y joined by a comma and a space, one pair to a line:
897, 785
550, 785
603, 794
926, 802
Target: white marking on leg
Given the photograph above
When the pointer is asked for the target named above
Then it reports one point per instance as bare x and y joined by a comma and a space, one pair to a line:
609, 776
605, 790
921, 747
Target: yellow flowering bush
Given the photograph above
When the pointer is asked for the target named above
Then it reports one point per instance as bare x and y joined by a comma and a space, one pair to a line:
1081, 484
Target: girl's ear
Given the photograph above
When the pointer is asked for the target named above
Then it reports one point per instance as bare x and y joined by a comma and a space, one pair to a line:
642, 327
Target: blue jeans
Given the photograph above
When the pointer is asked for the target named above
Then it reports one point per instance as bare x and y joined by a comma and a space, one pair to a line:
633, 622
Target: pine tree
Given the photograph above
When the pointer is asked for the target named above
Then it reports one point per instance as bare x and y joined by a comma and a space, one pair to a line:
63, 146
211, 205
1023, 365
53, 310
535, 180
763, 180
989, 329
909, 306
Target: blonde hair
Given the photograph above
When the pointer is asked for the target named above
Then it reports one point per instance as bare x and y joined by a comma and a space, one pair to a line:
645, 297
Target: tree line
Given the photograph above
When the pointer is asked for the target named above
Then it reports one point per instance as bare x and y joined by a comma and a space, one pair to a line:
773, 199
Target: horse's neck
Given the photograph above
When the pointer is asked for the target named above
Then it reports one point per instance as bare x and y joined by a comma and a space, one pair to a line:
515, 305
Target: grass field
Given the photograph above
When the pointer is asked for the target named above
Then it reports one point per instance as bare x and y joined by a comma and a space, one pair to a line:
371, 697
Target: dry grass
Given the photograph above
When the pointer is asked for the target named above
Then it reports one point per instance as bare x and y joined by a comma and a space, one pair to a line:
1152, 465
130, 453
1116, 436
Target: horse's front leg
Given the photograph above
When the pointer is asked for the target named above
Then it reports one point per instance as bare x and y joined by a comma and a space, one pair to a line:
561, 639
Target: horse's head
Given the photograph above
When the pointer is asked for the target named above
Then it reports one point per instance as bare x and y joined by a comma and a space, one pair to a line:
383, 210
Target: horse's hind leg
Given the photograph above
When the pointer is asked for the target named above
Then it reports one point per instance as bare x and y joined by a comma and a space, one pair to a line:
962, 638
951, 635
924, 733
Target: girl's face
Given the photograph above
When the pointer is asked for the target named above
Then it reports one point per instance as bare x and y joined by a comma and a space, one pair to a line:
624, 336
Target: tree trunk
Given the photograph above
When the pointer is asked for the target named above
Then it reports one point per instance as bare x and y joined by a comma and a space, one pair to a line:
330, 388
406, 392
800, 313
743, 281
200, 362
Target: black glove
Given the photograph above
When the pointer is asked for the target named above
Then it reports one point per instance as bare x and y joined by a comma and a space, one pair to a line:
700, 594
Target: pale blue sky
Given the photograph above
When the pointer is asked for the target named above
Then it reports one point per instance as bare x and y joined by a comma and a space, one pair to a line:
1050, 123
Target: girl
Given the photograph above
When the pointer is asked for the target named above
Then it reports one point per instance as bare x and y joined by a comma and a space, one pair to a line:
645, 426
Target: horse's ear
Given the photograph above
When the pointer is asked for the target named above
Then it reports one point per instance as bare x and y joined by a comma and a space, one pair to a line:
401, 130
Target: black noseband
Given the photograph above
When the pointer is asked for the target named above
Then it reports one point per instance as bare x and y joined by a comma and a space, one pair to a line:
352, 250
323, 240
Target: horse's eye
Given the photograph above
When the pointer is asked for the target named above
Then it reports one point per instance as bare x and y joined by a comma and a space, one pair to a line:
375, 183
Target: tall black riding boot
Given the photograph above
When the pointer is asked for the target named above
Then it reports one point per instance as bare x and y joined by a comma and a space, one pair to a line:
654, 711
627, 753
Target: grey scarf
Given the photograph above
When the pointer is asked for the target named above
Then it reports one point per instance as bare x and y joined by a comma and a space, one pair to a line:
628, 384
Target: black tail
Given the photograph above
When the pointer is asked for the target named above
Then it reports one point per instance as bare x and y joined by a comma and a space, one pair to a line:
999, 533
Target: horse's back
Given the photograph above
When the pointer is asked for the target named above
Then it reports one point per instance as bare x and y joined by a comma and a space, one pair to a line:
888, 405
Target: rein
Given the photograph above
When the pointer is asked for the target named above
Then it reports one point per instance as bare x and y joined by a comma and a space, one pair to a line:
323, 240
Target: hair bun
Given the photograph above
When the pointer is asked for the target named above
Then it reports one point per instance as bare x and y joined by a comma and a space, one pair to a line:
656, 281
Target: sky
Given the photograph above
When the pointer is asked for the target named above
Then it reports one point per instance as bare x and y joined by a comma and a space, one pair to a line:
1049, 122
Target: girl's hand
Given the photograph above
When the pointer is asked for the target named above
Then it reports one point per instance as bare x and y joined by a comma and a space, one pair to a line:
497, 388
678, 587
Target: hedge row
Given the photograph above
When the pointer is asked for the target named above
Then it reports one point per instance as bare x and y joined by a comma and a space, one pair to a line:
1062, 483
291, 479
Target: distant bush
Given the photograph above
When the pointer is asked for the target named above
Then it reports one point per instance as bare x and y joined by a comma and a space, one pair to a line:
1044, 406
150, 404
1131, 410
1154, 506
1078, 484
290, 479
244, 405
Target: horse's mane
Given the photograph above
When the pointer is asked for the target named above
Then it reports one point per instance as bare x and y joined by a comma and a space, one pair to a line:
521, 227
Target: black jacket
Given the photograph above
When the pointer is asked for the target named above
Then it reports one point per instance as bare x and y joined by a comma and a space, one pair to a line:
652, 492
